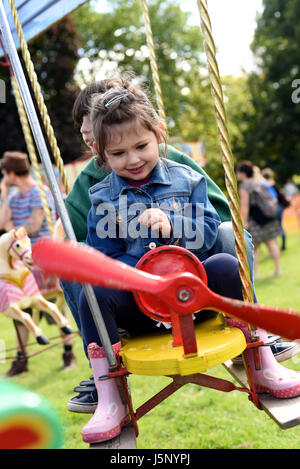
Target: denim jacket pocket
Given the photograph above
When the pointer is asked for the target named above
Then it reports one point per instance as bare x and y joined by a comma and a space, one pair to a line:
173, 204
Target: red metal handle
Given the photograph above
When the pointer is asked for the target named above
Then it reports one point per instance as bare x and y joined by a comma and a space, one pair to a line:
183, 292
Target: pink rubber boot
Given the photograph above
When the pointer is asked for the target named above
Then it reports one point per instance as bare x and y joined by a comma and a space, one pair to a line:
111, 413
271, 377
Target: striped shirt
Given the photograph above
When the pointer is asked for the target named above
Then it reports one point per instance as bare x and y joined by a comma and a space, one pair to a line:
21, 206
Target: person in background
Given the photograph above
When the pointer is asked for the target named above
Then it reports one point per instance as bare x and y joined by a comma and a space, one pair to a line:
278, 194
21, 205
292, 194
290, 189
261, 233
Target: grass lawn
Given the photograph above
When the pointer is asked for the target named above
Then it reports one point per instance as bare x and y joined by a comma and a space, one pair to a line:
193, 417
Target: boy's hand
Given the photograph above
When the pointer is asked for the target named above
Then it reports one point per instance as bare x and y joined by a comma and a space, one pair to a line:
158, 220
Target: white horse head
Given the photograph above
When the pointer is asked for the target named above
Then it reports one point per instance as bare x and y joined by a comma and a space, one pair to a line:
16, 245
18, 283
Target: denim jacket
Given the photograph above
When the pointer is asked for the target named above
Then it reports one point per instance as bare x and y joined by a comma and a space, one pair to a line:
176, 189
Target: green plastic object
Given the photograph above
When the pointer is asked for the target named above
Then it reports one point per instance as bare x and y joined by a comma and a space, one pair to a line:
27, 421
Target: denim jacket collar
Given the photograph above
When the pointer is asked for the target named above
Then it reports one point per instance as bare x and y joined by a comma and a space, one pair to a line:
160, 175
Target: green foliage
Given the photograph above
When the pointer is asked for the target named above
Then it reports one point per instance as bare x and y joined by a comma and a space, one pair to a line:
54, 55
115, 42
10, 128
272, 135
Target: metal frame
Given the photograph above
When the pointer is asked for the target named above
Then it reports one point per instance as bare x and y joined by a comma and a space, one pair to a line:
200, 379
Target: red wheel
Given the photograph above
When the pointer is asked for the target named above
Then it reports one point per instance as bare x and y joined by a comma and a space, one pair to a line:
162, 261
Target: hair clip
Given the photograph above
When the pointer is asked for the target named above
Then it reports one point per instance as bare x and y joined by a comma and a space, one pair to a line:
119, 97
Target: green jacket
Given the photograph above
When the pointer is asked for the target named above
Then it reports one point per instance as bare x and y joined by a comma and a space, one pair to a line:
78, 202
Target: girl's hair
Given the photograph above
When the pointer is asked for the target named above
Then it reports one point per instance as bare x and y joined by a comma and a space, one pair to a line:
246, 167
123, 102
81, 105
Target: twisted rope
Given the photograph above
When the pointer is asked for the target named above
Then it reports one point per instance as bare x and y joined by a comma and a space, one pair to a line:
38, 96
227, 157
32, 152
153, 61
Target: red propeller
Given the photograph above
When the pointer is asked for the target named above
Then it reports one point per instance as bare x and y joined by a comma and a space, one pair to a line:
184, 293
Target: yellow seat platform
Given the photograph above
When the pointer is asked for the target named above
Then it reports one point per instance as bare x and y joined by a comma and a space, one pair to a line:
154, 355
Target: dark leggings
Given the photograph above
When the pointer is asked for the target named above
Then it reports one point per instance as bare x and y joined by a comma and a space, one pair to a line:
119, 309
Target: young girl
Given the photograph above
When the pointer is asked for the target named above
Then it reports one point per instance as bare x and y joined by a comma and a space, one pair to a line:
78, 204
145, 202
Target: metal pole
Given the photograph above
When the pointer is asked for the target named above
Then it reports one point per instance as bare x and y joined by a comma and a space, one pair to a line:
43, 152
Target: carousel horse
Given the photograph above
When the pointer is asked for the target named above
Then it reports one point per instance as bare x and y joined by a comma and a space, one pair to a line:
19, 289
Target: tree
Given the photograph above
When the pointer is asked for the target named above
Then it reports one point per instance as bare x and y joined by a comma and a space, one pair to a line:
272, 134
54, 55
115, 42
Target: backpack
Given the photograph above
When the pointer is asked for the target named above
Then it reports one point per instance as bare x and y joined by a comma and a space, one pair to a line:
263, 207
282, 199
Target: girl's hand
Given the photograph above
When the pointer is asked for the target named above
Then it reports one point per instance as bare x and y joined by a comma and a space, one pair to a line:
158, 220
4, 188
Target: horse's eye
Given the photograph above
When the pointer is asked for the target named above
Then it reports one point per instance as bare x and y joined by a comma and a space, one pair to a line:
17, 245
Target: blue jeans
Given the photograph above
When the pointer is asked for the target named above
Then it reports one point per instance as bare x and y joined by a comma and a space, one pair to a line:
225, 243
71, 292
